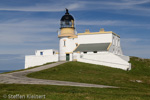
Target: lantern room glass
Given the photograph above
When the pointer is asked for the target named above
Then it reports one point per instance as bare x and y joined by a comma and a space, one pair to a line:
66, 24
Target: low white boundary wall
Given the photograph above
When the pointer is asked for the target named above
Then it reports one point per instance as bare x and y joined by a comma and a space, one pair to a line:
106, 59
34, 60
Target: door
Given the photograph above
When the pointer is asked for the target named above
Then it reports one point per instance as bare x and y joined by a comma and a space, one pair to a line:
67, 57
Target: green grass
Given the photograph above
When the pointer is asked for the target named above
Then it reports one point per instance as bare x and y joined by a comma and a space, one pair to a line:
88, 73
28, 68
72, 93
96, 74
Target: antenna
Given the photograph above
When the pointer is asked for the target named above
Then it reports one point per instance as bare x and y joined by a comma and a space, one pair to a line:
67, 11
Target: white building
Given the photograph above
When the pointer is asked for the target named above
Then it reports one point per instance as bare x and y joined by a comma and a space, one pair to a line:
41, 57
102, 48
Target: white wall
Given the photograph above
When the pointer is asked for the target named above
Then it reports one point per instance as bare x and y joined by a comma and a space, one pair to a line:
70, 45
107, 59
102, 38
95, 38
116, 50
45, 52
33, 60
116, 47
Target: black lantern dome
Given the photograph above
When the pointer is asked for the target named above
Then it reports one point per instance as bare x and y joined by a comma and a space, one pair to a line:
67, 20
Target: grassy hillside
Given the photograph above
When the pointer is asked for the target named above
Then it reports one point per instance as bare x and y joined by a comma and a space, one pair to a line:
96, 74
72, 93
135, 84
28, 68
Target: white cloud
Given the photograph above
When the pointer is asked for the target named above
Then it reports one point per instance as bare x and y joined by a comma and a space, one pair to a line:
55, 6
24, 36
134, 40
11, 57
112, 23
16, 31
133, 47
122, 4
131, 40
102, 22
132, 6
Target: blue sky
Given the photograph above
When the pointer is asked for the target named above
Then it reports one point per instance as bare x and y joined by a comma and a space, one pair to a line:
29, 25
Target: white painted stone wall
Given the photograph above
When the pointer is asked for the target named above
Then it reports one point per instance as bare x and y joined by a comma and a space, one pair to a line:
116, 50
46, 52
112, 58
95, 38
33, 60
70, 45
107, 59
102, 38
49, 55
62, 48
116, 47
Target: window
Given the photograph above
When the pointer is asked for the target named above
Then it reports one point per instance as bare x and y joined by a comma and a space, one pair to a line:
53, 52
118, 42
76, 44
94, 51
66, 23
64, 43
85, 52
41, 53
113, 40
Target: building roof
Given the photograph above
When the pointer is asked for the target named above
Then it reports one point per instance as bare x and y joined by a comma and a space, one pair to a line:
93, 47
67, 17
102, 31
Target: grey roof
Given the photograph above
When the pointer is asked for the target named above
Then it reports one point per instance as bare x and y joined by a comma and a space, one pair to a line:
92, 47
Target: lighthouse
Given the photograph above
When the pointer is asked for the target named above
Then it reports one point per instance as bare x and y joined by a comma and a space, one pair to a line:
67, 37
101, 48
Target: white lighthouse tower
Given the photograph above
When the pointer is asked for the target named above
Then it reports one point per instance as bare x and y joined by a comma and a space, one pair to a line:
67, 37
101, 48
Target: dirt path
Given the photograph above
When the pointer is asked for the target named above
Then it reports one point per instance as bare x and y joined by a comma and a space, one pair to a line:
20, 78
